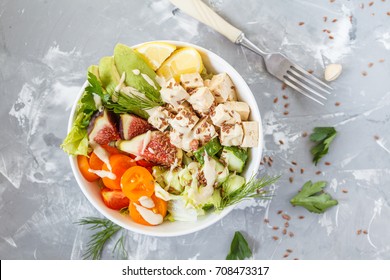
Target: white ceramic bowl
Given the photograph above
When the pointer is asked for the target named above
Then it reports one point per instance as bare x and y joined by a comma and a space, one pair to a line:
214, 64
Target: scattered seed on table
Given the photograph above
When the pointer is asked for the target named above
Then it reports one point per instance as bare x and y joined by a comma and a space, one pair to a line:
301, 23
275, 228
301, 217
291, 234
359, 232
289, 251
337, 104
275, 237
302, 170
279, 212
284, 231
370, 4
281, 142
334, 20
285, 255
270, 159
291, 170
276, 100
327, 163
331, 37
284, 86
304, 134
286, 224
382, 59
388, 13
294, 163
286, 105
364, 73
285, 97
318, 172
286, 217
266, 221
344, 191
285, 113
269, 164
370, 64
291, 179
365, 232
310, 71
295, 259
325, 18
376, 137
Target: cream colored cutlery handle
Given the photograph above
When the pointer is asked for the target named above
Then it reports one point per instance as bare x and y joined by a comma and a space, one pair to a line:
201, 12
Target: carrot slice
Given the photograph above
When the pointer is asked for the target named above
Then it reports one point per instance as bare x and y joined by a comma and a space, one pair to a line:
160, 207
95, 162
111, 150
83, 163
136, 182
119, 164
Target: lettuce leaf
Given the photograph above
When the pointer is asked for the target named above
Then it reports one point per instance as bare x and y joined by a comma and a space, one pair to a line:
76, 142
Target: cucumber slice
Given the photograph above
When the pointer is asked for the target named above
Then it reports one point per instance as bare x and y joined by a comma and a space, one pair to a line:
212, 148
233, 183
235, 158
214, 201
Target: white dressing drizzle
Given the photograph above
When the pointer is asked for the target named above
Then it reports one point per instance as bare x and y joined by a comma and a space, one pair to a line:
148, 80
209, 171
98, 101
136, 72
103, 173
148, 215
121, 81
146, 202
102, 154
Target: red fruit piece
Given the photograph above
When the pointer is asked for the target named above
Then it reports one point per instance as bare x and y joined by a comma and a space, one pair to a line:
131, 126
114, 199
102, 129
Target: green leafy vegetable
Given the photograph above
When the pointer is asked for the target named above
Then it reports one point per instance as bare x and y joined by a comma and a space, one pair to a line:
105, 230
254, 188
313, 198
239, 248
323, 136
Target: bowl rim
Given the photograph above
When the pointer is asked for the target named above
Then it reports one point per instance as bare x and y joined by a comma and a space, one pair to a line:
107, 214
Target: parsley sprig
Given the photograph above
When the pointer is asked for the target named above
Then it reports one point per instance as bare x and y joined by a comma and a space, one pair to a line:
313, 198
323, 136
239, 248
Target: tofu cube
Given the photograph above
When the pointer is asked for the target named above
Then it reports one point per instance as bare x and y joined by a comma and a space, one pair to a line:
174, 93
201, 100
223, 88
240, 107
184, 121
231, 135
204, 131
251, 134
221, 115
191, 81
158, 118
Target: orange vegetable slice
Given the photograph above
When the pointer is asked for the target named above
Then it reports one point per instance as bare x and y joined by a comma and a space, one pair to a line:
160, 207
83, 163
119, 164
136, 182
95, 162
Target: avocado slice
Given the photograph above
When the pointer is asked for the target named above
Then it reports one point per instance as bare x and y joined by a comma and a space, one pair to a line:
94, 69
109, 75
127, 60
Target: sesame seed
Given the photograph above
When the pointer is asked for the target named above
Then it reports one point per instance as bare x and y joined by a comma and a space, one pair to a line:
291, 179
327, 163
276, 100
301, 217
294, 163
275, 228
286, 217
275, 237
301, 23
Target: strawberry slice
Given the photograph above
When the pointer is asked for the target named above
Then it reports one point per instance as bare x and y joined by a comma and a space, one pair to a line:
153, 146
131, 126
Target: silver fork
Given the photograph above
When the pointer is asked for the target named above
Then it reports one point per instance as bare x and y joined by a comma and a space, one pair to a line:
276, 63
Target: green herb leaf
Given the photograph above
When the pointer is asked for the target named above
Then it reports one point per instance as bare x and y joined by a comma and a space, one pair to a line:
323, 136
239, 248
254, 188
313, 198
105, 230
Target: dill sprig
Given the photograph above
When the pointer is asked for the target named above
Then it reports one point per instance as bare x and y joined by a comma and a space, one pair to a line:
105, 230
254, 188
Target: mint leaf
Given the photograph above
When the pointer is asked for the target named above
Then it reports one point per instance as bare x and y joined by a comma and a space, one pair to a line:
239, 248
313, 198
323, 136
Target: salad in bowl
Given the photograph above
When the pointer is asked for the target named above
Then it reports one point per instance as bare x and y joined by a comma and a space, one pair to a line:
165, 137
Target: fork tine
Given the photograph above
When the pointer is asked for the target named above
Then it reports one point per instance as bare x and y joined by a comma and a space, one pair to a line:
304, 86
287, 82
307, 80
303, 71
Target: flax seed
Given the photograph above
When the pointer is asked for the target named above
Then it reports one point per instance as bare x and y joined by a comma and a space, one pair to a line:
359, 232
291, 170
382, 59
376, 137
331, 37
289, 251
301, 217
281, 142
275, 237
285, 97
337, 104
344, 191
291, 234
270, 159
327, 163
370, 64
318, 172
284, 86
291, 179
334, 20
266, 221
370, 4
286, 105
285, 113
304, 134
301, 23
284, 231
388, 13
276, 100
286, 217
285, 255
279, 212
310, 71
269, 164
294, 163
364, 73
286, 224
295, 259
302, 170
325, 19
275, 228
365, 232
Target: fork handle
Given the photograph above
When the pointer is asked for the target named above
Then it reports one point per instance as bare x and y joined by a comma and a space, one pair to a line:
200, 11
